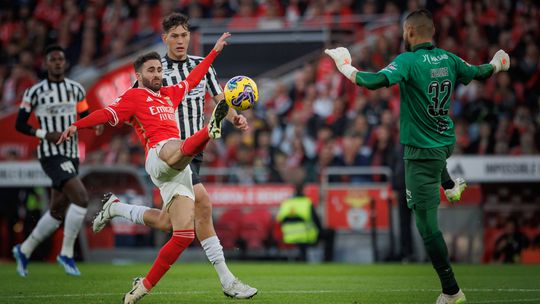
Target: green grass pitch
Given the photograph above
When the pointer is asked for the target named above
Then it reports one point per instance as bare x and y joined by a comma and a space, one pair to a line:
277, 283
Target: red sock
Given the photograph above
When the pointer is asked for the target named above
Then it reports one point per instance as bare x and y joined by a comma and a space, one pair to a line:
168, 254
196, 143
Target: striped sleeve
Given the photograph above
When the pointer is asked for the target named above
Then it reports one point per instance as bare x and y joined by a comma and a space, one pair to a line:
82, 93
29, 100
212, 85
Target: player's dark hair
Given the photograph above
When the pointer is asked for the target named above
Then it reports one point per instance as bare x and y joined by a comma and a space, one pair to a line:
53, 48
144, 58
420, 12
174, 20
422, 20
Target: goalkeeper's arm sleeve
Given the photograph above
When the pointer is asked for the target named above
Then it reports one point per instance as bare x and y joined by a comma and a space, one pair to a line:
484, 71
370, 80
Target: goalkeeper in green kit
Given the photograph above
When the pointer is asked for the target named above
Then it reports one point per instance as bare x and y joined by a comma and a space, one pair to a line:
427, 77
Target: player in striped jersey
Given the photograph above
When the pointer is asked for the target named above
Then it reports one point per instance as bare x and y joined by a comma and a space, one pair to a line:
55, 102
177, 64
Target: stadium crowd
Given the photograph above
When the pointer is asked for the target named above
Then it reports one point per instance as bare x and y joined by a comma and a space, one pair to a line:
320, 119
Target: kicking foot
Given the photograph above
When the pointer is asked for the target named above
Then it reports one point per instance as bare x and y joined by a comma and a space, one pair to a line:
239, 290
138, 291
214, 126
104, 215
458, 298
22, 261
69, 265
454, 195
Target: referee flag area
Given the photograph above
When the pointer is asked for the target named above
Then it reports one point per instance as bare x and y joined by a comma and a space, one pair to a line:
277, 283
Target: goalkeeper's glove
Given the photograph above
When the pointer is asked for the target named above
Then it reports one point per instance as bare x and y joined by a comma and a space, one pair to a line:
500, 61
343, 60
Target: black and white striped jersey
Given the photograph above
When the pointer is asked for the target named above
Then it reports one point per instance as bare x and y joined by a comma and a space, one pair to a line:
190, 113
55, 106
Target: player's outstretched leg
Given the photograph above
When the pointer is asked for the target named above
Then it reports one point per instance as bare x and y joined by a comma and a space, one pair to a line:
104, 216
112, 206
214, 126
181, 212
458, 298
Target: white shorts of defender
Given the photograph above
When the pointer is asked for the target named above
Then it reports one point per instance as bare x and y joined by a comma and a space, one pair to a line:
171, 182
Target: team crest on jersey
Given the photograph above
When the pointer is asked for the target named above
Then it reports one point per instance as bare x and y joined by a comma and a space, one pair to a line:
168, 100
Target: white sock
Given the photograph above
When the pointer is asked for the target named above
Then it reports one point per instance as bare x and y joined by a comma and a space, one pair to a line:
44, 228
133, 213
72, 226
214, 251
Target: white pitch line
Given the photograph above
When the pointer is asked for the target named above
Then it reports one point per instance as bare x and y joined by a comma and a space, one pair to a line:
84, 295
506, 301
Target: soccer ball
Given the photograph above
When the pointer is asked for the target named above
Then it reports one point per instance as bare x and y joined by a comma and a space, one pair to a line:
241, 93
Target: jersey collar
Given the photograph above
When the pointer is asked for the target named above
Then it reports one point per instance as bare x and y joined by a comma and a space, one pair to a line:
169, 59
425, 45
158, 94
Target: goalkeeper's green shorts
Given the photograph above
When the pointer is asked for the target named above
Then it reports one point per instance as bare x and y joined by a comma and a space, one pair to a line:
423, 169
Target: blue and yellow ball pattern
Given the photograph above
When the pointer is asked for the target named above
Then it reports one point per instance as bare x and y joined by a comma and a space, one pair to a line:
241, 93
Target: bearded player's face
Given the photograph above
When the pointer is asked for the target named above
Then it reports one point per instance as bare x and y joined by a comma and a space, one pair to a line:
177, 41
151, 75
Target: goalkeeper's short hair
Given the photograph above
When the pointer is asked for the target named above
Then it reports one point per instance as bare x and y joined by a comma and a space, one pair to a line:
422, 21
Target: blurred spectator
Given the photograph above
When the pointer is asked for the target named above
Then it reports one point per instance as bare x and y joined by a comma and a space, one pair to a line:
270, 16
20, 79
484, 144
351, 156
508, 246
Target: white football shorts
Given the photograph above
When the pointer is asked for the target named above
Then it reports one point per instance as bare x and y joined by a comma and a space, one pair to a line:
171, 182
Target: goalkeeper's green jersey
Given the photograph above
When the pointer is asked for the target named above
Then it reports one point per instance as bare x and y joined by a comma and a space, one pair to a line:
427, 77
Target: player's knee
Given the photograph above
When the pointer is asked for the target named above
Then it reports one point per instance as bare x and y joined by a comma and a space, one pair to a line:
164, 226
203, 207
203, 210
82, 199
58, 213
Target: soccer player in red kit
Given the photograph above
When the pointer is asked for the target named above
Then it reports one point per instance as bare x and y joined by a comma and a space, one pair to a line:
150, 109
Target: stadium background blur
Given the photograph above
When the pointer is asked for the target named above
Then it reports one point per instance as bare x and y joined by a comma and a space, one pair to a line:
309, 117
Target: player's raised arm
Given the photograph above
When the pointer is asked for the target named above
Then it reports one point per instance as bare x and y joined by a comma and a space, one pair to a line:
201, 69
342, 59
118, 111
96, 118
499, 63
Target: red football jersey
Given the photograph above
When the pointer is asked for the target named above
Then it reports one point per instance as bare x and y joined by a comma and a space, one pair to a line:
151, 114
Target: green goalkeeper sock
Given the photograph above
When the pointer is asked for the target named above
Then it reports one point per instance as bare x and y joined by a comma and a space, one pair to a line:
426, 221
